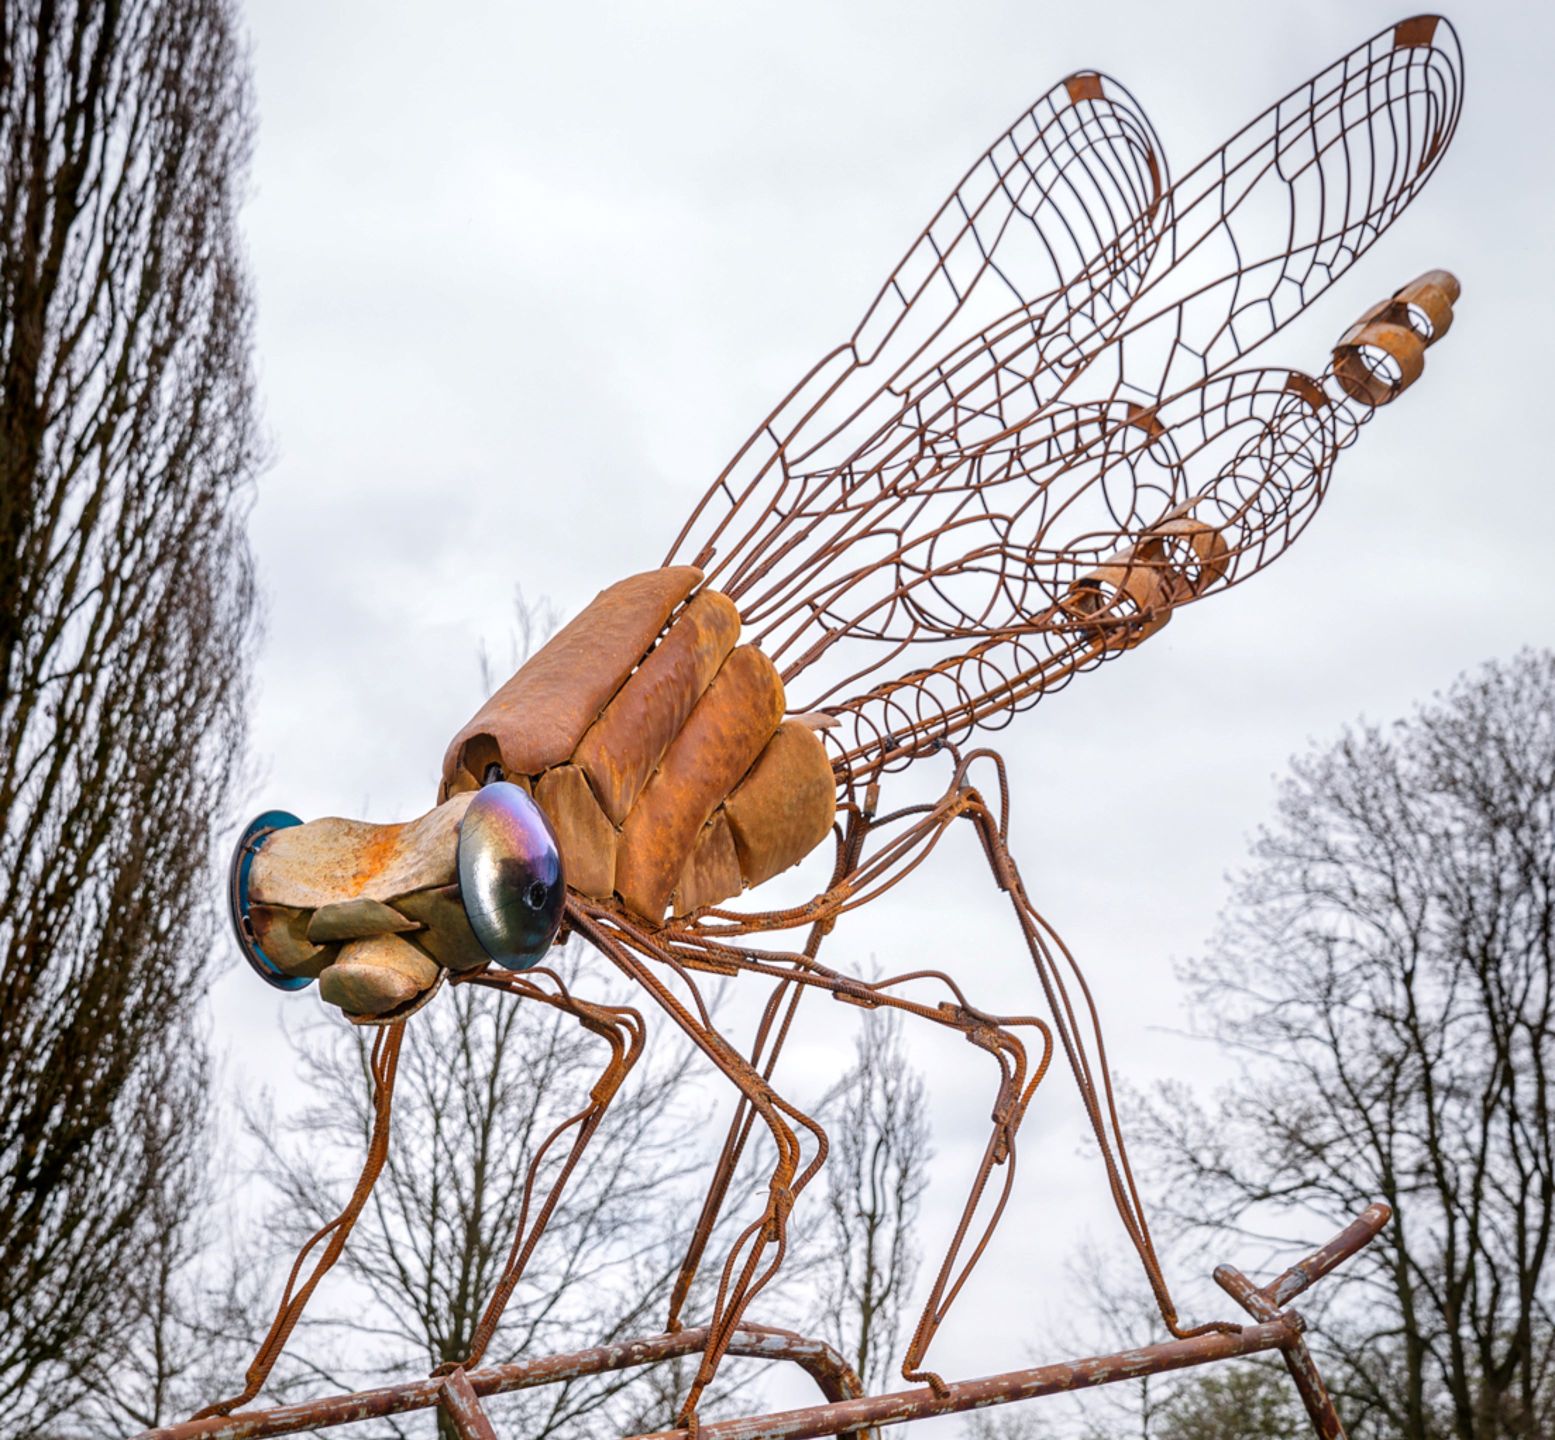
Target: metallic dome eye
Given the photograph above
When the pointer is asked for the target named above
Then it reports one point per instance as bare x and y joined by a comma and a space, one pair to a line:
510, 875
255, 833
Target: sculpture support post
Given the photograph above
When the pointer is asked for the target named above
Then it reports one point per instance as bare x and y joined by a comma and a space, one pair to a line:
847, 1411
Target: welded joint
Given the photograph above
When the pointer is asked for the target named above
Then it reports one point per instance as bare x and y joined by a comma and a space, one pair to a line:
1246, 1294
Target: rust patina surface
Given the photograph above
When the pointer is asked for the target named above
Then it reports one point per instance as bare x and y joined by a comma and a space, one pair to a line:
1046, 439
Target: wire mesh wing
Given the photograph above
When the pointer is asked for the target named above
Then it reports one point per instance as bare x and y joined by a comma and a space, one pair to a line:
1051, 229
925, 547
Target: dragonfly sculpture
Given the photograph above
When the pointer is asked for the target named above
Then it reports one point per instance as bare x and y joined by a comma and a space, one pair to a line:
1043, 439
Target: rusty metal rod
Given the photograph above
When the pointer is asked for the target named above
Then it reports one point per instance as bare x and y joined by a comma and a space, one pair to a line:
1314, 1393
1266, 1303
848, 1411
1245, 1293
463, 1407
905, 1405
1360, 1232
828, 1369
1298, 1359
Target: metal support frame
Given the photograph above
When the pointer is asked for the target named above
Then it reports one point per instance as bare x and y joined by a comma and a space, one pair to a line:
847, 1411
459, 1393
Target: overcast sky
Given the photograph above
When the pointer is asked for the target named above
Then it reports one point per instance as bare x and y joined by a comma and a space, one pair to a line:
528, 274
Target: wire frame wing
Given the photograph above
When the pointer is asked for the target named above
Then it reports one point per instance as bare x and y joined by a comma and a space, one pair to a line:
1055, 223
925, 548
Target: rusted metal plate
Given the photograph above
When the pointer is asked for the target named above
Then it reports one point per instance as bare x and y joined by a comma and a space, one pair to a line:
329, 860
446, 935
1122, 603
626, 743
785, 806
356, 920
1433, 294
583, 831
712, 873
281, 931
377, 976
1360, 366
538, 717
727, 730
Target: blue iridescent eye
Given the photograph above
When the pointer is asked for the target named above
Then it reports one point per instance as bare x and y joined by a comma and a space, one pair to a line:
510, 875
255, 833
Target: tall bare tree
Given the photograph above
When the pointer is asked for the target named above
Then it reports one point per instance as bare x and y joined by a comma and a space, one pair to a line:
192, 1310
876, 1173
127, 447
1384, 968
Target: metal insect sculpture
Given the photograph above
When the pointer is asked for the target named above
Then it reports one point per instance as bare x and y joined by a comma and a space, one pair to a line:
1042, 441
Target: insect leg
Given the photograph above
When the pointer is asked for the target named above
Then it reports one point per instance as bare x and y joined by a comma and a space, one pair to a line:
849, 846
383, 1066
621, 1027
904, 854
744, 1272
1052, 960
916, 831
996, 1035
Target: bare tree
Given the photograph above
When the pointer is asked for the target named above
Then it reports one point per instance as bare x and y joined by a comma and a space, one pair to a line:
1242, 1400
484, 1078
1247, 1400
876, 1172
1384, 969
127, 447
1119, 1314
192, 1303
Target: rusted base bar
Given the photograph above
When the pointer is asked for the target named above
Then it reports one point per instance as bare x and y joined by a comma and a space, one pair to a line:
463, 1407
1245, 1293
828, 1369
1267, 1303
905, 1405
1314, 1393
849, 1411
1358, 1234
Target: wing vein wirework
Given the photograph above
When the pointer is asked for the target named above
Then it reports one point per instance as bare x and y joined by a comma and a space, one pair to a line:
924, 544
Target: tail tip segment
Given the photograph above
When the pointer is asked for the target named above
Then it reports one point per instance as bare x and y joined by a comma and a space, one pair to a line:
1383, 353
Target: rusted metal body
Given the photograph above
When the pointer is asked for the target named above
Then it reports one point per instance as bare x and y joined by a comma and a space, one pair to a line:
1041, 442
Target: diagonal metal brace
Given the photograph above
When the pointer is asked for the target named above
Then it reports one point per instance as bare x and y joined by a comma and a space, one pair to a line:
1267, 1305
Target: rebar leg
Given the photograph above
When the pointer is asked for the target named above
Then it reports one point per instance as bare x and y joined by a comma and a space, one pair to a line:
1092, 1078
851, 842
740, 1280
383, 1066
622, 1029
